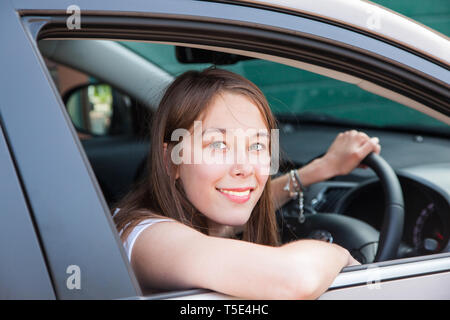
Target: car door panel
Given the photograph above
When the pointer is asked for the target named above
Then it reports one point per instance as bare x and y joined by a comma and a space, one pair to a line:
23, 271
71, 216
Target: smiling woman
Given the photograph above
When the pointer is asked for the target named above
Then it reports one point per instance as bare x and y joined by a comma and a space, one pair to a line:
206, 204
217, 98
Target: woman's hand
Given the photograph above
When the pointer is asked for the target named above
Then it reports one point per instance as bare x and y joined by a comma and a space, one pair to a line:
348, 150
345, 154
352, 261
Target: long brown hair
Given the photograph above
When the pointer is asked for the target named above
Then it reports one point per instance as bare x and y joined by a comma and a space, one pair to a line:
159, 193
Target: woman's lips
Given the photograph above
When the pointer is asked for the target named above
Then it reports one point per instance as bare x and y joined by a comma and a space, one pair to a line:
238, 195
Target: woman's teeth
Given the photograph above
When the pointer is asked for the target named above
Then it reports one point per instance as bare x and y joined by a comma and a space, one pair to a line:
235, 193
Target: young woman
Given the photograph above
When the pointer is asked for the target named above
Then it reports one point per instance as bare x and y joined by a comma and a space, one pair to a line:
179, 224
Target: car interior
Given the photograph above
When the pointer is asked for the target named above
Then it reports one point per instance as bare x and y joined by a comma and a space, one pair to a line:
124, 81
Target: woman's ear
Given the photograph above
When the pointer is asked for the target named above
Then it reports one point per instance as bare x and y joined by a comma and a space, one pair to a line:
177, 174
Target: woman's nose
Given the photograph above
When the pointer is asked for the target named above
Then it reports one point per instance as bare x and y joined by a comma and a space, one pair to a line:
242, 170
242, 164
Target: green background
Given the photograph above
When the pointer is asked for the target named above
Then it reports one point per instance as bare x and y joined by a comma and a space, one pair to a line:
292, 91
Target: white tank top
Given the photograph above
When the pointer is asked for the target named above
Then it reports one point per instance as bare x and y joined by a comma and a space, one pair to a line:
134, 234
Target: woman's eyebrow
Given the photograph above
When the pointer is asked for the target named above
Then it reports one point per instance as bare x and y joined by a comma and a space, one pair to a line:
260, 133
221, 130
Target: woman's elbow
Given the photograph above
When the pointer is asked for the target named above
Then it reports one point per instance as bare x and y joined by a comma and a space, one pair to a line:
299, 286
306, 287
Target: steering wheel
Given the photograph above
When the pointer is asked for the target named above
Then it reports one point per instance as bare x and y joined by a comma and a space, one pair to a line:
359, 237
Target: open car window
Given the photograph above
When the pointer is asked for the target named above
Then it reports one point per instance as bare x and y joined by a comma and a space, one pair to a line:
304, 102
313, 106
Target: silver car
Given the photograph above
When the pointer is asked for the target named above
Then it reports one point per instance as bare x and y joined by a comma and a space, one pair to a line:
71, 144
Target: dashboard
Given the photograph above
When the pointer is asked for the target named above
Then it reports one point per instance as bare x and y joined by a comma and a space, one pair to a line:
422, 165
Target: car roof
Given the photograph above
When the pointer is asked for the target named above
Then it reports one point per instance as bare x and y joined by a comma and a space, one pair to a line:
370, 18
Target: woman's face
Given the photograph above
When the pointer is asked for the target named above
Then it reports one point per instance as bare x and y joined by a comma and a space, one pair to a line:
230, 160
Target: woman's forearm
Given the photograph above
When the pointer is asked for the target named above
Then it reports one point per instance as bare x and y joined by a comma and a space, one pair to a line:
302, 269
313, 172
345, 153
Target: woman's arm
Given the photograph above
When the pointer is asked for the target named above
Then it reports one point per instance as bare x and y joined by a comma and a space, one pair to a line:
345, 154
316, 171
170, 255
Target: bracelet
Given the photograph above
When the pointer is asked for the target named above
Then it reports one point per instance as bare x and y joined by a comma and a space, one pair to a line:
301, 205
297, 178
297, 193
295, 181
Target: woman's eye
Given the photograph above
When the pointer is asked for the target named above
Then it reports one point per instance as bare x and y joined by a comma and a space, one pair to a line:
257, 146
218, 145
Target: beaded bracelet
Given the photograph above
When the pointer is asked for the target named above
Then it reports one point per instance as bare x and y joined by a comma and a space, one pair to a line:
297, 193
301, 206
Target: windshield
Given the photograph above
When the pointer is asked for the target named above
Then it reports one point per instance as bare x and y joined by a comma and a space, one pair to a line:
305, 96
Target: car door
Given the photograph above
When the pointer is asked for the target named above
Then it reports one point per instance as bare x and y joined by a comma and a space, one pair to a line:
67, 205
23, 271
76, 233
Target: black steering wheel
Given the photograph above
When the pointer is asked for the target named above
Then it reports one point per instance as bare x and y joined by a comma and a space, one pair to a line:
362, 240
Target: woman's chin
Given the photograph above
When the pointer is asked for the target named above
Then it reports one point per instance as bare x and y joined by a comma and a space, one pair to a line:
233, 220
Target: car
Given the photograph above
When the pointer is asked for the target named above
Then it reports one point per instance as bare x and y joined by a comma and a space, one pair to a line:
66, 157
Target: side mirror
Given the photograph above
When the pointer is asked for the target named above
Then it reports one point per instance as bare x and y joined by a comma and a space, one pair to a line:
96, 109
